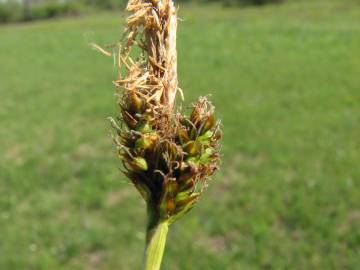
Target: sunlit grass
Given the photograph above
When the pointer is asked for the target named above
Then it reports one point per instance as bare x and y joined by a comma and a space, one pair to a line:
285, 83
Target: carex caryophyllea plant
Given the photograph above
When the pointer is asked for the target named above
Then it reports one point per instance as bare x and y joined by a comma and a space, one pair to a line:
168, 156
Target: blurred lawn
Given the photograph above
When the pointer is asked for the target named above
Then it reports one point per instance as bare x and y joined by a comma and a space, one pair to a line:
286, 83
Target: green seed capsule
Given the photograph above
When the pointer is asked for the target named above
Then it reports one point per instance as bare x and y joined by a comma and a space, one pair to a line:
192, 160
188, 201
138, 164
144, 127
146, 141
143, 143
205, 138
182, 196
206, 156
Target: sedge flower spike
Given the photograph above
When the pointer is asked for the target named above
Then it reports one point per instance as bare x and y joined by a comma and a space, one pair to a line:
167, 155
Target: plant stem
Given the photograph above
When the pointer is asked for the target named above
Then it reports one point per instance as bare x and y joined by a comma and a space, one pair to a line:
155, 245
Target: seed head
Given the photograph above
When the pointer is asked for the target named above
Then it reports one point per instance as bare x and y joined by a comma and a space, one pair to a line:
167, 155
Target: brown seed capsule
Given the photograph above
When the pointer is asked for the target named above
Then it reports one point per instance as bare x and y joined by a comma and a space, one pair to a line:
167, 198
187, 184
172, 150
186, 173
191, 148
170, 205
129, 120
208, 124
183, 136
126, 139
195, 116
171, 186
185, 122
193, 133
217, 135
135, 104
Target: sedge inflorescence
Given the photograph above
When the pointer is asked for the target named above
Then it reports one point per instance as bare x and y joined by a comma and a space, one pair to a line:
167, 155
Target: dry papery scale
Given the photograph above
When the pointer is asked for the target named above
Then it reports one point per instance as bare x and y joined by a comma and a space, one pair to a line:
167, 155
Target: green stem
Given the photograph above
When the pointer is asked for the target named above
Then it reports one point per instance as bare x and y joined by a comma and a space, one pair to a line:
155, 245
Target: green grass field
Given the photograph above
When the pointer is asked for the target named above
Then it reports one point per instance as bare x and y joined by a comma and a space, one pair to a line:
285, 80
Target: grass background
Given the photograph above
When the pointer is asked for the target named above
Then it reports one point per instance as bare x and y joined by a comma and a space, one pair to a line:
285, 80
